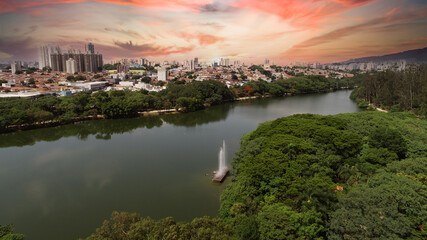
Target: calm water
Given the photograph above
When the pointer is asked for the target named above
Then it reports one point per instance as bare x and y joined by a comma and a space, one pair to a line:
62, 182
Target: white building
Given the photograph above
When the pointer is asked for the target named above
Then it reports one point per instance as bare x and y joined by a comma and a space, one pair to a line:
192, 65
71, 66
44, 58
162, 74
126, 84
15, 67
93, 86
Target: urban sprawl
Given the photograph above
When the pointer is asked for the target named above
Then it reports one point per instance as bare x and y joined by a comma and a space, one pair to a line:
64, 73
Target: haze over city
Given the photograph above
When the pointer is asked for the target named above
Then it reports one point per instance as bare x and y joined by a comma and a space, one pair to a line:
249, 30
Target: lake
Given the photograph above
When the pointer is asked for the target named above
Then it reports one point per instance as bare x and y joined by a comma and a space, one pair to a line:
62, 182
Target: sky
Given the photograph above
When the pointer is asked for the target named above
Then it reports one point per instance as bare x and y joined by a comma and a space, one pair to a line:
283, 31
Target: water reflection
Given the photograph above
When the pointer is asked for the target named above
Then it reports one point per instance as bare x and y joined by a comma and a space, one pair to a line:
104, 129
213, 114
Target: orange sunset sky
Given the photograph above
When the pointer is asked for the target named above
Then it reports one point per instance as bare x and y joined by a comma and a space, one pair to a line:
249, 30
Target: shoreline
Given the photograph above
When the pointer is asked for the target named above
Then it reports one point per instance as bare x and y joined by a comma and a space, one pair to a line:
57, 122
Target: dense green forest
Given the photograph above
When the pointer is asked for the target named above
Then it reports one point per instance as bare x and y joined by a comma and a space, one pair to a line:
396, 91
187, 97
296, 85
347, 176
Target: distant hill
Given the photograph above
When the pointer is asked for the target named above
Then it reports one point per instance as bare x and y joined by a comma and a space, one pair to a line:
411, 56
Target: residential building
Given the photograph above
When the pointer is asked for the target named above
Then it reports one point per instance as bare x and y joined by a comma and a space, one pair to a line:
71, 66
15, 67
162, 74
44, 59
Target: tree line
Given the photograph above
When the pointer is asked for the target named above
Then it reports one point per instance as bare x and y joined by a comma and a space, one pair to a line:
395, 90
185, 97
295, 85
113, 104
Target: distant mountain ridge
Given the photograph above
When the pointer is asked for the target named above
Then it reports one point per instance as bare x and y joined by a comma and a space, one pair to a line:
411, 56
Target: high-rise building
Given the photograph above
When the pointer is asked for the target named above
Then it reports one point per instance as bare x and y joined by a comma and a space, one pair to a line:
196, 62
71, 66
44, 59
162, 74
91, 48
267, 61
224, 62
122, 68
227, 62
15, 67
84, 62
57, 63
192, 65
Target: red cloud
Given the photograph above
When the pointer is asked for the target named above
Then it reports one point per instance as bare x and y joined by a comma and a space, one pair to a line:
203, 39
379, 24
352, 2
149, 49
304, 12
12, 5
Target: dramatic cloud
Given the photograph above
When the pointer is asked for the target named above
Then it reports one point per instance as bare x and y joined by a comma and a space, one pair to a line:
203, 39
303, 12
12, 5
18, 48
281, 30
129, 33
215, 7
151, 49
355, 29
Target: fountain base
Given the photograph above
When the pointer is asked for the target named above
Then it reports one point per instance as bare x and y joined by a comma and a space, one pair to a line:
218, 178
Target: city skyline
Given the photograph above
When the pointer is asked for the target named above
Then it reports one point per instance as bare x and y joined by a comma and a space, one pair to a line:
251, 31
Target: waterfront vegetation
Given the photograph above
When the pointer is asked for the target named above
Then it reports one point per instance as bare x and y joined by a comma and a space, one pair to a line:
7, 233
395, 90
347, 176
188, 97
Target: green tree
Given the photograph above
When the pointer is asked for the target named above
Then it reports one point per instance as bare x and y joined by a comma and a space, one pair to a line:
391, 139
70, 78
6, 233
389, 206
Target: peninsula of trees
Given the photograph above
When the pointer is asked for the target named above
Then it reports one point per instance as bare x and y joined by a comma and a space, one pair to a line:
348, 176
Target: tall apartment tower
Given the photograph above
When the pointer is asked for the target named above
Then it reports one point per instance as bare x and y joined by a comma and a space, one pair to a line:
196, 62
227, 62
71, 66
162, 74
44, 58
84, 62
15, 67
122, 68
91, 48
192, 65
57, 63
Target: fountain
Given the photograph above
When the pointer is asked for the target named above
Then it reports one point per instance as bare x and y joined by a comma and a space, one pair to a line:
222, 168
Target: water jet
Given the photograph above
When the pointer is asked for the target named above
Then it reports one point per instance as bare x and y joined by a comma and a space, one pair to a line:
223, 170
